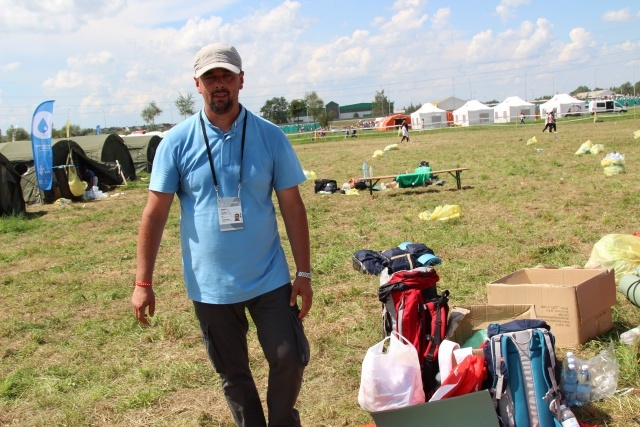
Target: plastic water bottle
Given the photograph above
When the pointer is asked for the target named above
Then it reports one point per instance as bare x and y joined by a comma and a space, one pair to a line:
565, 366
583, 391
365, 169
567, 418
370, 171
631, 336
571, 384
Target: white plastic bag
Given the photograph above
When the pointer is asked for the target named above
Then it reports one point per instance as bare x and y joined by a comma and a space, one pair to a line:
390, 378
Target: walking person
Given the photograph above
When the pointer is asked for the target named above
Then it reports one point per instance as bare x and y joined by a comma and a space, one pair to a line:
405, 132
552, 122
224, 163
547, 122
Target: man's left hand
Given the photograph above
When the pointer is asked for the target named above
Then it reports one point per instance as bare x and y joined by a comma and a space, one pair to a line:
302, 288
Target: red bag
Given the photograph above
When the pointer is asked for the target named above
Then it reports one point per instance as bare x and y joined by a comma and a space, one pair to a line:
465, 378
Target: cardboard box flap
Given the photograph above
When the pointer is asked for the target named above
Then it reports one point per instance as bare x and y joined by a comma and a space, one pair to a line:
481, 316
600, 288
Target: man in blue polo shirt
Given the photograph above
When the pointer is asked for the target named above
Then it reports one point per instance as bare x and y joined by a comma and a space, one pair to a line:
224, 163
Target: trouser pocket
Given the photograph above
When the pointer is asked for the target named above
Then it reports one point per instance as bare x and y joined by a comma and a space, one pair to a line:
301, 339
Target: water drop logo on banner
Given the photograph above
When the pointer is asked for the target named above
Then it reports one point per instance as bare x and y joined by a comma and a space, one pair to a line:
41, 144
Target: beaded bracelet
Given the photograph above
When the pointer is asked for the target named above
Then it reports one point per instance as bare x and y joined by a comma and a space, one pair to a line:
144, 284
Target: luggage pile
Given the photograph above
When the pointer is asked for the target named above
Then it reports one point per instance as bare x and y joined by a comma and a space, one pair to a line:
418, 362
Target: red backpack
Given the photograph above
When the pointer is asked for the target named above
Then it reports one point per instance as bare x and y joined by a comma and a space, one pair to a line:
412, 307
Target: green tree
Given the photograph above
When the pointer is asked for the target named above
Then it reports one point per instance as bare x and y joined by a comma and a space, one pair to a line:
412, 108
315, 105
580, 89
185, 105
325, 118
625, 88
17, 134
150, 113
636, 88
296, 108
275, 110
381, 105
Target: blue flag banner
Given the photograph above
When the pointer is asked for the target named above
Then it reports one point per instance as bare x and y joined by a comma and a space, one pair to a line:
41, 144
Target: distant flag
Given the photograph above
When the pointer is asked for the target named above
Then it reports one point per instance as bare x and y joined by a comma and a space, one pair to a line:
41, 144
98, 130
68, 127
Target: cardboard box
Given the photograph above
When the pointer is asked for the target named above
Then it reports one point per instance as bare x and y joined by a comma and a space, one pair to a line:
575, 302
474, 409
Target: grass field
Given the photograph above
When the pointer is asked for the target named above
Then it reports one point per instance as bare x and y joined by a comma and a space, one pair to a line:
72, 354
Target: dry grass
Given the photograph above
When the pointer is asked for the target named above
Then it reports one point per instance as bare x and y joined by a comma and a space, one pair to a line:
72, 354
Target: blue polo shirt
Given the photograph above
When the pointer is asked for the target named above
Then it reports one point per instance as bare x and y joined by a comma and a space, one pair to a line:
230, 266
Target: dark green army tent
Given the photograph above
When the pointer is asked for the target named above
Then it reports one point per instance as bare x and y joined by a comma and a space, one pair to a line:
67, 151
11, 201
139, 148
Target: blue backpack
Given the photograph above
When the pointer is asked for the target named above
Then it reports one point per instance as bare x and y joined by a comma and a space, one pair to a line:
521, 363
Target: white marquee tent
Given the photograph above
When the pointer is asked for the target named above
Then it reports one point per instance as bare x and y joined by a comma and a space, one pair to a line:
564, 105
509, 110
430, 116
473, 113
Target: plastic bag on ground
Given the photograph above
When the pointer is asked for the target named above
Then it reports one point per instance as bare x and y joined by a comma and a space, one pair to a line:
391, 147
441, 213
620, 252
532, 141
378, 153
613, 164
604, 374
585, 147
390, 379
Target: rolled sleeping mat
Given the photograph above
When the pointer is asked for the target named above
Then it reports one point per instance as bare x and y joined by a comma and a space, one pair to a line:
630, 286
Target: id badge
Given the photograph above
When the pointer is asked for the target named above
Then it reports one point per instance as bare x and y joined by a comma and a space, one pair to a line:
230, 214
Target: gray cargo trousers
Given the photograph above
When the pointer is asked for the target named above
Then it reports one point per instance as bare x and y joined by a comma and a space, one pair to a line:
280, 333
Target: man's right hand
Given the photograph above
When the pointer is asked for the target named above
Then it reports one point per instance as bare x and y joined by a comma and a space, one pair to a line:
143, 297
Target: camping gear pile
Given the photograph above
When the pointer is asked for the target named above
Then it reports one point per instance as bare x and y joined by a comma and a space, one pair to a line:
514, 360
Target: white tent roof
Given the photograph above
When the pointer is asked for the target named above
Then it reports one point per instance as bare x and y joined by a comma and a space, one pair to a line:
473, 105
514, 101
429, 108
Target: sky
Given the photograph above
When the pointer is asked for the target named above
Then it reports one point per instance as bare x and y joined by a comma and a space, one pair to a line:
104, 61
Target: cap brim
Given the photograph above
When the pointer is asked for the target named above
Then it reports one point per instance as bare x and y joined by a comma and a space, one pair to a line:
224, 65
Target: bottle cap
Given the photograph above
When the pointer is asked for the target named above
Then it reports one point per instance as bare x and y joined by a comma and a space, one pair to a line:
572, 366
585, 367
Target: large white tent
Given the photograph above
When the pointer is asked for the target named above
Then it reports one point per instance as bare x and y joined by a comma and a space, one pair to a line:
473, 113
509, 110
430, 116
564, 105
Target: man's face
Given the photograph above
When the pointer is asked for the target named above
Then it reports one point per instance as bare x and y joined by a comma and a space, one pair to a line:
219, 89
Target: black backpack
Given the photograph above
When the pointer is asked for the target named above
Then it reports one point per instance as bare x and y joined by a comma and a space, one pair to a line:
328, 185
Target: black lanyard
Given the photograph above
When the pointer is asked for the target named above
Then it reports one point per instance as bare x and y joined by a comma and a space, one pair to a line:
213, 171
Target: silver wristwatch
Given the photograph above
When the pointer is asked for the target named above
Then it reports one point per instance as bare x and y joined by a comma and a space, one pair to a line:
303, 274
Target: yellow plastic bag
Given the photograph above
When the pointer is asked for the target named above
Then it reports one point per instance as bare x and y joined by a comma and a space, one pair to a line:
310, 175
596, 148
585, 147
532, 141
620, 252
76, 186
391, 147
441, 213
377, 153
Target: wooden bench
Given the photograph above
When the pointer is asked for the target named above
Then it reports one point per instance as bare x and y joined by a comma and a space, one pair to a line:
373, 180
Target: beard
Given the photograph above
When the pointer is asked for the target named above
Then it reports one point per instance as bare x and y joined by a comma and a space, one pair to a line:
224, 107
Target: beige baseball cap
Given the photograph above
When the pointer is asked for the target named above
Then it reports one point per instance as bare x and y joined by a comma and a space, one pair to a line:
217, 55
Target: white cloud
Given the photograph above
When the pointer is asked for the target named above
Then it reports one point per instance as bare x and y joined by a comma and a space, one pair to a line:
580, 47
11, 66
506, 8
525, 42
65, 80
62, 16
622, 15
90, 59
440, 19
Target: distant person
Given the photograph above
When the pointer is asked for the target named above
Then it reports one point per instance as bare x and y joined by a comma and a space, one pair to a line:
552, 124
405, 132
521, 118
89, 177
547, 122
